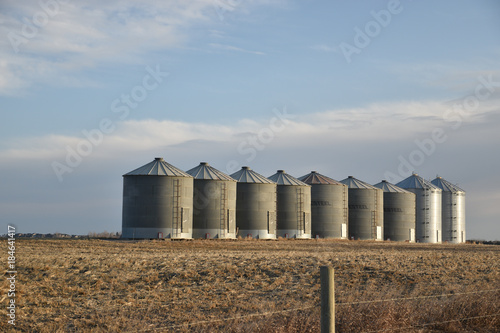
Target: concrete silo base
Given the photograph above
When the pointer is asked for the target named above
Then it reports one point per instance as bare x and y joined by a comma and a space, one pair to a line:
256, 234
212, 234
292, 233
152, 233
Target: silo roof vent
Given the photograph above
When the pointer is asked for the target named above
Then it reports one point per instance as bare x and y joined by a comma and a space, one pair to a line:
247, 175
388, 187
446, 185
415, 181
316, 178
158, 167
205, 171
352, 182
282, 178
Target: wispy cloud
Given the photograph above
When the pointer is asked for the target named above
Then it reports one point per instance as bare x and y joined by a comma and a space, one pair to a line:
457, 77
40, 44
376, 123
234, 49
325, 48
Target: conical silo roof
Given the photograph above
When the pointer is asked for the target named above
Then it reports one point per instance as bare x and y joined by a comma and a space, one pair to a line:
247, 175
415, 181
388, 187
446, 185
205, 171
352, 182
282, 178
158, 167
314, 178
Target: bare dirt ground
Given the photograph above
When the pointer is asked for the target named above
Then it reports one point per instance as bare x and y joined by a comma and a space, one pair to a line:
251, 286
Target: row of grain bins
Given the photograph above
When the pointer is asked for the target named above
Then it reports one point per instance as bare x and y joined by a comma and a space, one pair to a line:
162, 201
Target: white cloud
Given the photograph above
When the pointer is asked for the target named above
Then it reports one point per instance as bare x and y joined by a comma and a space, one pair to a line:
457, 77
41, 44
376, 123
234, 48
52, 45
325, 48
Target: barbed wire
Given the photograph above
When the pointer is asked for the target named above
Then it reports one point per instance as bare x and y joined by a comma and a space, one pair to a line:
274, 292
417, 297
432, 324
262, 314
313, 279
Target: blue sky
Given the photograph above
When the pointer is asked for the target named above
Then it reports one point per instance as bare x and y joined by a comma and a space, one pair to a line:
264, 83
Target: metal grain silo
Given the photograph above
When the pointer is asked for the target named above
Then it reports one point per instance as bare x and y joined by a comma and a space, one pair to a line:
157, 202
452, 211
293, 206
428, 208
399, 212
366, 210
255, 205
329, 215
214, 203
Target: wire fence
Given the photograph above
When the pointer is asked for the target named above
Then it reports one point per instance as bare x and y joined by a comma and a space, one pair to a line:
340, 304
417, 297
253, 315
432, 324
263, 314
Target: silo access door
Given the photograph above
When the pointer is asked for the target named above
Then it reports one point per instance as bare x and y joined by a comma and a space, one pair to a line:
271, 222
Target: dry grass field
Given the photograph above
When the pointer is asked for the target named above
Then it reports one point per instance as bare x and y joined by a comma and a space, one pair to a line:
251, 286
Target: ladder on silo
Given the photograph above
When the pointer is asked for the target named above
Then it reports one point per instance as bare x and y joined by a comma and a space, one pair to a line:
301, 223
427, 214
453, 216
346, 213
344, 202
374, 217
374, 224
176, 210
223, 211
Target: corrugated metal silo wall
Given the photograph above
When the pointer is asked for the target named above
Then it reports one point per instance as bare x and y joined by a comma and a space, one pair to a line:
329, 210
256, 210
294, 211
157, 204
399, 216
453, 216
428, 215
214, 209
366, 213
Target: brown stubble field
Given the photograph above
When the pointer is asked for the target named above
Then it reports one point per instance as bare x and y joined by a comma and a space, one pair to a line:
251, 286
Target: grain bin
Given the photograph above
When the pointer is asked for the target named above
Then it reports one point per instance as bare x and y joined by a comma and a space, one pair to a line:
329, 211
255, 205
428, 208
452, 211
293, 206
366, 210
214, 203
157, 202
399, 212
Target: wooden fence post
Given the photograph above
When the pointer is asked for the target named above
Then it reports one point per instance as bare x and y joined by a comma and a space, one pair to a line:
327, 300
